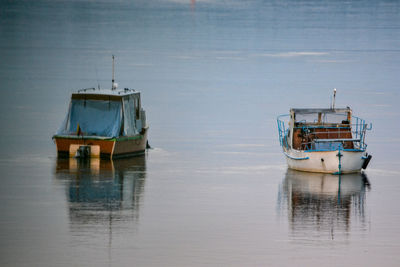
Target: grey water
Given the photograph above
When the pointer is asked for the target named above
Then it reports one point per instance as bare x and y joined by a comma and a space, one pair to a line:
215, 189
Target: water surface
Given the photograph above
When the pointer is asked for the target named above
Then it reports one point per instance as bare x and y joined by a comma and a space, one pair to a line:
215, 189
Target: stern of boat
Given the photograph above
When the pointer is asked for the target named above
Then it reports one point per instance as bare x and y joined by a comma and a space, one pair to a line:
335, 162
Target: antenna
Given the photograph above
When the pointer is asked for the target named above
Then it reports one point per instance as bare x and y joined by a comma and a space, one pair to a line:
113, 84
97, 78
112, 81
334, 98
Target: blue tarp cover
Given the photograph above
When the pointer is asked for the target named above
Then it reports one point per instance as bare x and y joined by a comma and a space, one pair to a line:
94, 117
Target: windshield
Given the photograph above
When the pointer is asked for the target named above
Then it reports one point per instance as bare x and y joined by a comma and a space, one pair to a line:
322, 118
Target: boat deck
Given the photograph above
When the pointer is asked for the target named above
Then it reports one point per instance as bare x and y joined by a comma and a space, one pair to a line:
304, 137
349, 134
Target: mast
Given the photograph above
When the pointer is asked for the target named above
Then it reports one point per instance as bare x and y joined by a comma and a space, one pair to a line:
334, 98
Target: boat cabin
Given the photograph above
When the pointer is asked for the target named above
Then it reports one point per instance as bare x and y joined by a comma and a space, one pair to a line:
322, 129
104, 114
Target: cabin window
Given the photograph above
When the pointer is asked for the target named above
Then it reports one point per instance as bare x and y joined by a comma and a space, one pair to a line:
321, 118
137, 108
129, 116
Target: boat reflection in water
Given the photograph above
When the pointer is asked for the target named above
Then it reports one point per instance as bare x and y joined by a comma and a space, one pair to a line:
102, 192
323, 206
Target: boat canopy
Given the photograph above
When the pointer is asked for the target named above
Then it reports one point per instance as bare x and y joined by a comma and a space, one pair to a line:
321, 116
103, 115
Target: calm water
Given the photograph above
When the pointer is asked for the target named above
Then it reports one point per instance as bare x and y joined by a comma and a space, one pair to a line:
214, 190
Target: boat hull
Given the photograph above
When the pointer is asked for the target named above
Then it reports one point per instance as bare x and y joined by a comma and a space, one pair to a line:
325, 161
108, 148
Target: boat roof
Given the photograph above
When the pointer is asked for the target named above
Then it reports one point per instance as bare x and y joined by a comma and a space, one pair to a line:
319, 110
103, 94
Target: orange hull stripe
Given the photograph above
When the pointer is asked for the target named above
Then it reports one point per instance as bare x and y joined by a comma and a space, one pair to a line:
106, 146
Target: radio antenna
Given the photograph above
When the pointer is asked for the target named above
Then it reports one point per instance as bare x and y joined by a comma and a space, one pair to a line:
112, 82
97, 78
334, 98
114, 85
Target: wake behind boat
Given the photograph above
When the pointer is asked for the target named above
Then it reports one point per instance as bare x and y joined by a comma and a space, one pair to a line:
108, 123
324, 140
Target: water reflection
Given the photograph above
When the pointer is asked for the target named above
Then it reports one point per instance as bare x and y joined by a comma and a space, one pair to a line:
102, 191
323, 205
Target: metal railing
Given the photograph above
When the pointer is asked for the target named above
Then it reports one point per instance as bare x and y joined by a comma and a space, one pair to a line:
313, 139
282, 131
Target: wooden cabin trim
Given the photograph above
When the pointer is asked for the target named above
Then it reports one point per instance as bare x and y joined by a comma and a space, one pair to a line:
63, 144
83, 137
319, 110
97, 97
299, 139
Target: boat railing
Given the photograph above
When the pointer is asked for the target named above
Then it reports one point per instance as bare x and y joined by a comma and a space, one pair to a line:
86, 89
334, 144
330, 135
350, 136
282, 130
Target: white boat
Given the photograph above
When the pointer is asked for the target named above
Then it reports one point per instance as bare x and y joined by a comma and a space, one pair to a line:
323, 140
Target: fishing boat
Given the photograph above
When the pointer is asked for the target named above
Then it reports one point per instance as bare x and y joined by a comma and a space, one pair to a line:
106, 123
326, 140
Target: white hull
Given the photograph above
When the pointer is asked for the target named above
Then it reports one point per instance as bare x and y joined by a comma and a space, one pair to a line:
325, 161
